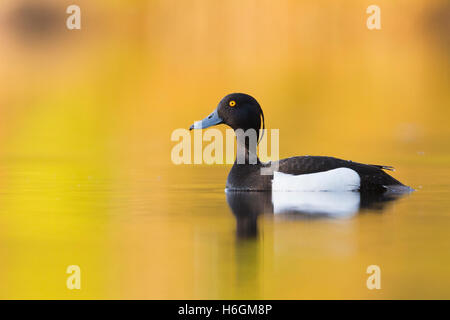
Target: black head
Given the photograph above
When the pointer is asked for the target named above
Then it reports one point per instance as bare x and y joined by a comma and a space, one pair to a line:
237, 110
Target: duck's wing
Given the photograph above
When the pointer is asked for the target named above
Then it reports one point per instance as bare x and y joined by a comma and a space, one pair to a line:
373, 178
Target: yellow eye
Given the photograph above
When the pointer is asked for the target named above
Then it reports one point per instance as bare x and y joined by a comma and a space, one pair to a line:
232, 103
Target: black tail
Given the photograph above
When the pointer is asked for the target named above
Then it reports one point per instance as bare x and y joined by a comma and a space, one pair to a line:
383, 167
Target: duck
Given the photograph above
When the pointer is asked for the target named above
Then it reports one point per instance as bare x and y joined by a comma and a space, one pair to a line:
243, 114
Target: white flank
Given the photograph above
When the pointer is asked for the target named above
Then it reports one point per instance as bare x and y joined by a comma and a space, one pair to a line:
340, 179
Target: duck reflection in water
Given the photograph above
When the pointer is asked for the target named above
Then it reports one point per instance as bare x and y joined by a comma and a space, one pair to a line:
247, 206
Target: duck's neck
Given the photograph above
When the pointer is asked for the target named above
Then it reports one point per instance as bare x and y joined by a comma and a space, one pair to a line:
246, 151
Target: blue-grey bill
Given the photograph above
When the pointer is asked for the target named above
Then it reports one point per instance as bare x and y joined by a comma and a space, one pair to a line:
211, 120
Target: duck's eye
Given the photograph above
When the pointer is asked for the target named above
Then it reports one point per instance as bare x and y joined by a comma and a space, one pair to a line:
232, 103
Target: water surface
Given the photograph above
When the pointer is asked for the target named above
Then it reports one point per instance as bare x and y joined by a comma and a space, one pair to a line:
171, 233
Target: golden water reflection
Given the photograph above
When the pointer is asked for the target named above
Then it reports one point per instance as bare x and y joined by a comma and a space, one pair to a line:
157, 238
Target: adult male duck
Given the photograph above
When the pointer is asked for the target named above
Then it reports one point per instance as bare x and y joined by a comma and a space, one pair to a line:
304, 173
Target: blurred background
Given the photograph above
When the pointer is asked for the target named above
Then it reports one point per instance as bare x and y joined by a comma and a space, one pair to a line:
86, 117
